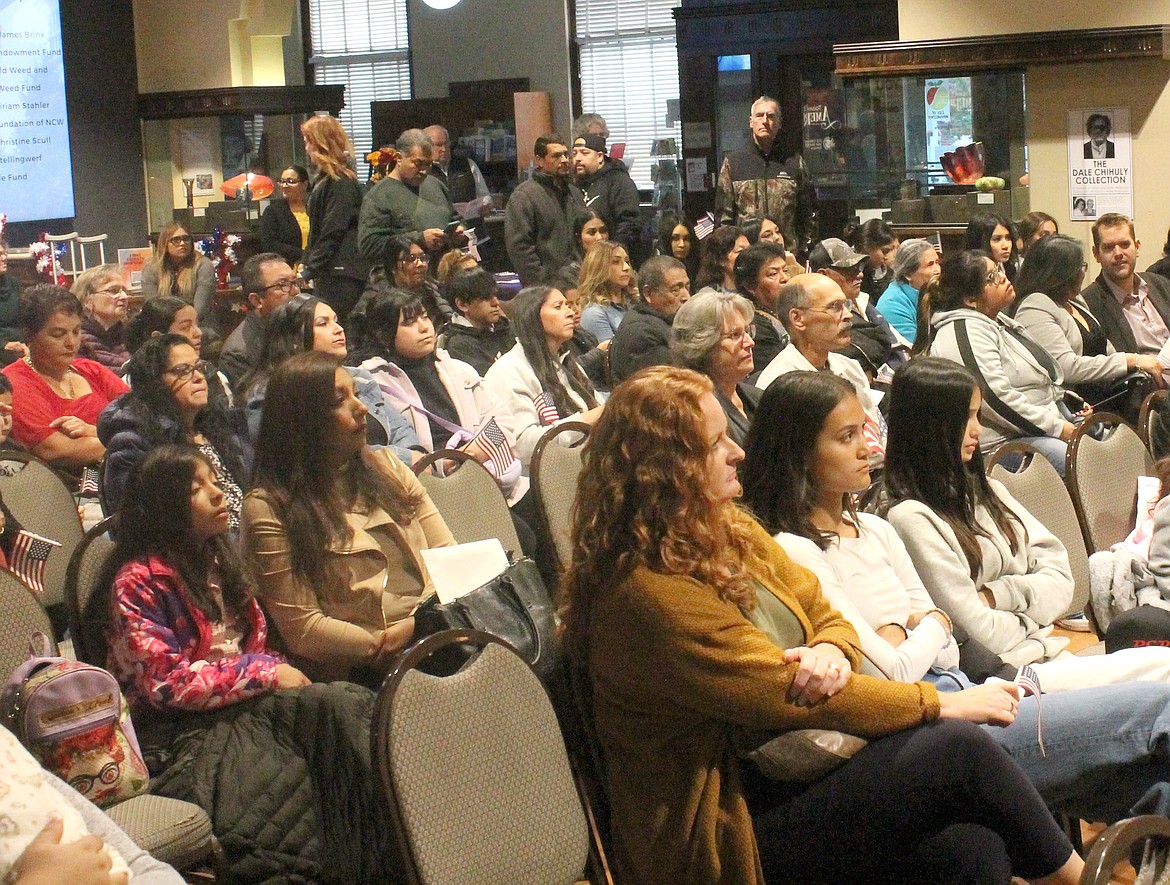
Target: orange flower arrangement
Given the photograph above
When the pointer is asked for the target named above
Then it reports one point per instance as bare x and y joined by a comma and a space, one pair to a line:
381, 162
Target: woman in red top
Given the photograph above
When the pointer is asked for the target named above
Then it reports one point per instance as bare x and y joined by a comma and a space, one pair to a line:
56, 395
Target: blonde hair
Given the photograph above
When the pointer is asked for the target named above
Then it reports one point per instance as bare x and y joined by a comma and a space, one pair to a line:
643, 500
593, 283
172, 280
331, 143
89, 281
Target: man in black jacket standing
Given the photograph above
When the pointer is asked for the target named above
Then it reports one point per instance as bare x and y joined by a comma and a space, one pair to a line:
757, 181
538, 220
610, 192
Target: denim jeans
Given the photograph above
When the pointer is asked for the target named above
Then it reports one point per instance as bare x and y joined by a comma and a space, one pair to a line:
1106, 750
1052, 448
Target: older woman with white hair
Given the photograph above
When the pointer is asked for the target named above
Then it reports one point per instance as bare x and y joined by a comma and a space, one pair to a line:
715, 334
916, 263
104, 300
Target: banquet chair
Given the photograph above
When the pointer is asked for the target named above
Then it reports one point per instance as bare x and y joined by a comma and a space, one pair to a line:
81, 578
556, 464
1102, 477
469, 499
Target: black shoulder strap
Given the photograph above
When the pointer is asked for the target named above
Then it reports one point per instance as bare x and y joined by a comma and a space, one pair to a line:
997, 405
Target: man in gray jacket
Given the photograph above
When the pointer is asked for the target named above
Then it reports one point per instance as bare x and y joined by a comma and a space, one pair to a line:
538, 220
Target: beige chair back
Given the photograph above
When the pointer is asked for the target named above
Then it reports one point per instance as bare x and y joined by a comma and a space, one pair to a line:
1102, 478
469, 500
556, 464
22, 616
81, 580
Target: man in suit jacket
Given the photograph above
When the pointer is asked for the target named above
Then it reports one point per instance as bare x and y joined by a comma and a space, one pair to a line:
1099, 147
1134, 309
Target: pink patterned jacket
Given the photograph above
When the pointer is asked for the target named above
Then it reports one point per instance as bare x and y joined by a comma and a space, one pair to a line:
159, 644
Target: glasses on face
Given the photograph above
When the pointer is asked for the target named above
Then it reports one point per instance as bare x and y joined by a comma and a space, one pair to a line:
289, 182
997, 278
183, 371
736, 337
416, 258
112, 291
291, 286
835, 309
183, 240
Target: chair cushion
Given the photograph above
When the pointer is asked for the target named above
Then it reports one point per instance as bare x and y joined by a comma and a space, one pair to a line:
175, 832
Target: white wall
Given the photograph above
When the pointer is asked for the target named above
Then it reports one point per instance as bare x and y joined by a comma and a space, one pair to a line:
935, 19
489, 40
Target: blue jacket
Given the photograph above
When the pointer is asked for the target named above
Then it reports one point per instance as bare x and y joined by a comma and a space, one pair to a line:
899, 305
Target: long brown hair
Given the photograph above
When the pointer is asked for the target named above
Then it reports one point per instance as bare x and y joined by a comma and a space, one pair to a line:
333, 146
643, 500
177, 280
594, 285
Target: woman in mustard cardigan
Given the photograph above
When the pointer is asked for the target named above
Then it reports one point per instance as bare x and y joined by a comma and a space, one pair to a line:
696, 629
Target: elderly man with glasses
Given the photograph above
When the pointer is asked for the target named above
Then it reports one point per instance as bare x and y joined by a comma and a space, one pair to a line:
268, 281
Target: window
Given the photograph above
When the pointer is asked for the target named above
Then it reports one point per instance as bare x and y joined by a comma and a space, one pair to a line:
362, 45
629, 74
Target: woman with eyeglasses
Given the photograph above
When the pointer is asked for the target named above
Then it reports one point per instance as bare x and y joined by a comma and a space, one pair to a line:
1022, 383
169, 403
332, 259
105, 301
407, 263
284, 226
714, 334
179, 269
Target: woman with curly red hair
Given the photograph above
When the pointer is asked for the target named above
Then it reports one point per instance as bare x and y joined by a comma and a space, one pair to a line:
698, 634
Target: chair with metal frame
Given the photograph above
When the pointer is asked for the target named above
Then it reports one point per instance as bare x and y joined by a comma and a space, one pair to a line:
474, 773
80, 583
1102, 477
469, 500
1152, 426
554, 471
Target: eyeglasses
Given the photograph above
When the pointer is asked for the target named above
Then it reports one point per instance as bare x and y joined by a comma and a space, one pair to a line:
113, 293
184, 371
738, 335
184, 240
414, 258
290, 286
836, 309
289, 182
997, 278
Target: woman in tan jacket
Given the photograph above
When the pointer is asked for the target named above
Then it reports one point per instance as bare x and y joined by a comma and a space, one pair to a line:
697, 630
335, 528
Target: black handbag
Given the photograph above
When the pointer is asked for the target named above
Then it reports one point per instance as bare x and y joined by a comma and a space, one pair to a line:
513, 606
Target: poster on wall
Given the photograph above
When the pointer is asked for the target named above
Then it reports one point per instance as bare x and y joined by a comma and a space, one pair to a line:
1100, 167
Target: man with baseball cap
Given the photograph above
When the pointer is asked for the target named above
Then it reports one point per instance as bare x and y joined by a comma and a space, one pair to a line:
874, 343
609, 191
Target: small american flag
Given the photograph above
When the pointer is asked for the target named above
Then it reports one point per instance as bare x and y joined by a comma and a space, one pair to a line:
872, 431
546, 408
1029, 683
89, 481
704, 226
29, 553
493, 442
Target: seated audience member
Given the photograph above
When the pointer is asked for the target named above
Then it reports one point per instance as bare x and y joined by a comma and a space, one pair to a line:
872, 341
998, 573
1162, 266
180, 270
714, 334
281, 766
693, 628
538, 382
607, 288
877, 241
807, 437
591, 354
57, 395
53, 834
717, 254
10, 343
267, 281
165, 315
1052, 310
915, 264
761, 230
453, 261
643, 339
306, 323
334, 528
816, 312
284, 226
104, 301
478, 333
1032, 228
1023, 398
676, 239
1133, 308
169, 403
588, 228
993, 234
760, 272
406, 268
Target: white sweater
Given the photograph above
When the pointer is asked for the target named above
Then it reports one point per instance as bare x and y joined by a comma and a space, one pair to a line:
872, 582
1032, 587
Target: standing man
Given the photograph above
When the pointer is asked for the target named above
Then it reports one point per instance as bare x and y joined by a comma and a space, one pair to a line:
408, 200
758, 182
1134, 309
464, 180
643, 338
268, 282
609, 191
538, 220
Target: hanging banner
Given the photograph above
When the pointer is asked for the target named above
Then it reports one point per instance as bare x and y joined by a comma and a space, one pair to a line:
1100, 163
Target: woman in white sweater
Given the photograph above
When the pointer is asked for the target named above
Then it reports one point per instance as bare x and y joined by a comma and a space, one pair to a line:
999, 574
806, 458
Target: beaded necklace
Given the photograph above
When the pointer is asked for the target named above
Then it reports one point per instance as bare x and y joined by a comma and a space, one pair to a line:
65, 385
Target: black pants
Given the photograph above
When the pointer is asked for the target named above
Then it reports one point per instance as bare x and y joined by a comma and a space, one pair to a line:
942, 803
340, 293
